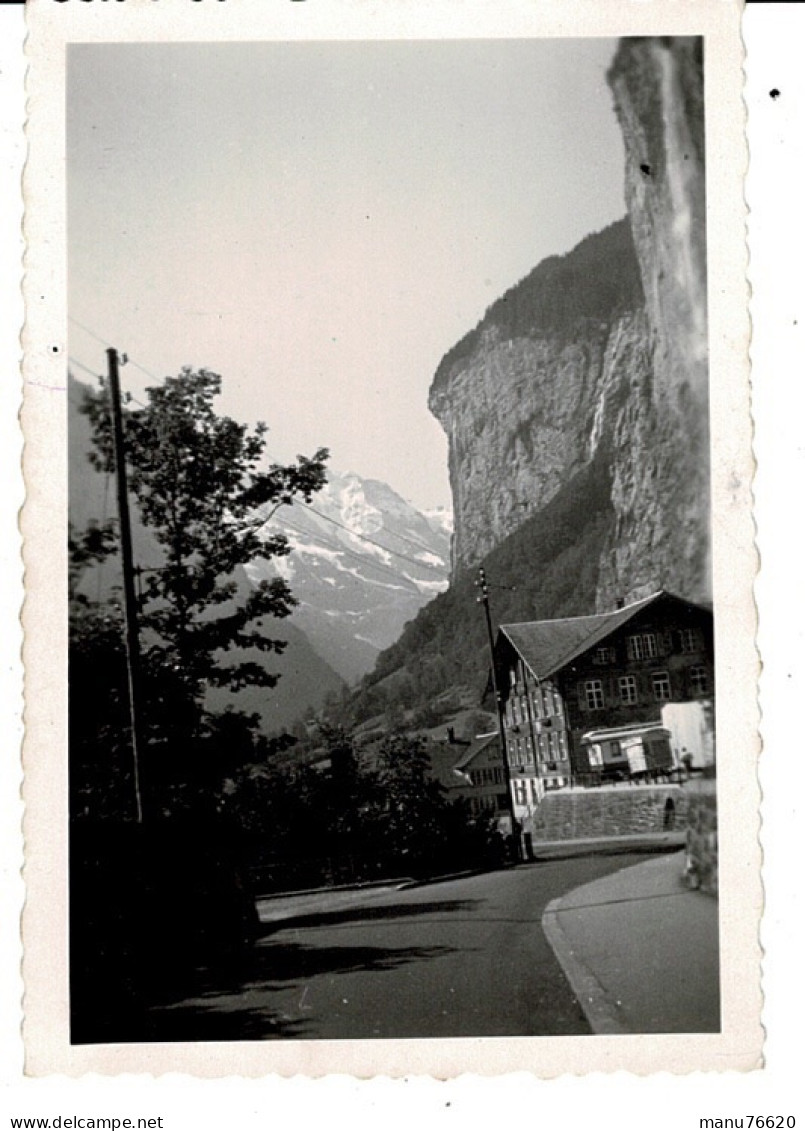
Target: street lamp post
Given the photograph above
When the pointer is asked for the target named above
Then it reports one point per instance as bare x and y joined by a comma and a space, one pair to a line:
127, 559
484, 600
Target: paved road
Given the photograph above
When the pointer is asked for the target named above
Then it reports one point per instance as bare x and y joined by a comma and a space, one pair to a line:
455, 959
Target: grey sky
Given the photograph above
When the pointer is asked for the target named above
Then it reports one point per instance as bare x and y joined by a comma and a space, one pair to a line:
320, 222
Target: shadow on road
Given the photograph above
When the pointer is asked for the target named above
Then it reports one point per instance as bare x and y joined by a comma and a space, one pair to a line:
366, 913
237, 1001
243, 1006
288, 962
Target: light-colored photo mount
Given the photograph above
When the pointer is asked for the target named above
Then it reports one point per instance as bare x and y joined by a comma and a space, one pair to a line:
608, 357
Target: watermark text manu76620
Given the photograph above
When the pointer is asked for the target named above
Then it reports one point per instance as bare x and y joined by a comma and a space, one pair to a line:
750, 1122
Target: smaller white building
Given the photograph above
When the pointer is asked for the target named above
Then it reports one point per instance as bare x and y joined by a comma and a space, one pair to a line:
691, 732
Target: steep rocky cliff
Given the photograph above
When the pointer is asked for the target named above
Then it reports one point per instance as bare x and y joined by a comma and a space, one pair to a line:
602, 355
661, 474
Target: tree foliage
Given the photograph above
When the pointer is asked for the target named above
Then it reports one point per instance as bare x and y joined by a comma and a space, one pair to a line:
206, 497
359, 814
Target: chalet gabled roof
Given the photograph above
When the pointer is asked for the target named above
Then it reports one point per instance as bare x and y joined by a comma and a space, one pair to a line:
478, 745
549, 645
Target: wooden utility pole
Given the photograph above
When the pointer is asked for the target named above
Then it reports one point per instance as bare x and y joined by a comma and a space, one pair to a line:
129, 598
504, 750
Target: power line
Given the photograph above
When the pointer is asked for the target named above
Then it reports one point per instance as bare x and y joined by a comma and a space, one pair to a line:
147, 372
379, 545
380, 567
86, 368
129, 360
87, 330
417, 545
80, 365
370, 541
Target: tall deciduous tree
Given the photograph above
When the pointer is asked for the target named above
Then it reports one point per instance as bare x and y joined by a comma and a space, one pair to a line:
203, 490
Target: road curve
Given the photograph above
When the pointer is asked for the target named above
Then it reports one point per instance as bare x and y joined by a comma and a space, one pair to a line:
459, 958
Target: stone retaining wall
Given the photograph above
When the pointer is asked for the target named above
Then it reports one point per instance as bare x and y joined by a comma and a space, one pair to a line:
701, 853
610, 811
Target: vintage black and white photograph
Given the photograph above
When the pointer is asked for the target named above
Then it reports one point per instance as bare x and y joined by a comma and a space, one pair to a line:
391, 653
391, 662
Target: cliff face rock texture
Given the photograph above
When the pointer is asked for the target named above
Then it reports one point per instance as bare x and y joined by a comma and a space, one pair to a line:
528, 396
602, 354
657, 86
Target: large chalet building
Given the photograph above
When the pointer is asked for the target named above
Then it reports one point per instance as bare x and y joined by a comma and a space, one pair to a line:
586, 700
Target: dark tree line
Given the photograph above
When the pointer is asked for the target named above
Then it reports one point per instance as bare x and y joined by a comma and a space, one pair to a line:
357, 814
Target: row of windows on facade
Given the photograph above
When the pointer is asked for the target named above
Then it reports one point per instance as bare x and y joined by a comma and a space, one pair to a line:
525, 792
629, 687
545, 701
488, 775
650, 645
551, 748
639, 646
489, 803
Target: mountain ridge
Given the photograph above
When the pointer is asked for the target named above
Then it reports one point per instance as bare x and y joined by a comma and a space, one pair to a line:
363, 562
326, 647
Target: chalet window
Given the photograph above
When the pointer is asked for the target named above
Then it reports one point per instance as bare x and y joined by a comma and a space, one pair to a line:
699, 682
563, 754
689, 640
661, 686
536, 699
542, 742
642, 646
529, 750
594, 694
627, 689
604, 656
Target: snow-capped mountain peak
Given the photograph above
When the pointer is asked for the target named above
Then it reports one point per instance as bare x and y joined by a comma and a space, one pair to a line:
363, 561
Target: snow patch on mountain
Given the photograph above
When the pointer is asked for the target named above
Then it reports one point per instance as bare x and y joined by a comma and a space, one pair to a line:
358, 545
